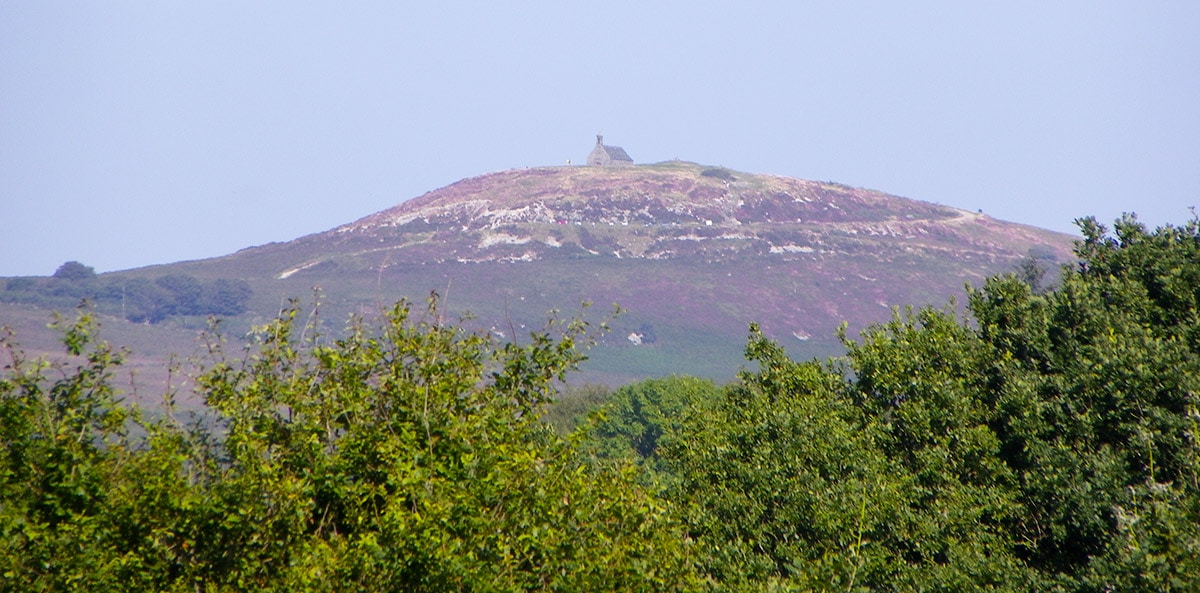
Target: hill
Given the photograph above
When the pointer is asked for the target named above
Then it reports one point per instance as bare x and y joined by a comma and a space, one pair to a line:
692, 253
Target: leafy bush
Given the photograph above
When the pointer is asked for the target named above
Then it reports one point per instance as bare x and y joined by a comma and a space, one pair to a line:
1049, 441
405, 456
1035, 442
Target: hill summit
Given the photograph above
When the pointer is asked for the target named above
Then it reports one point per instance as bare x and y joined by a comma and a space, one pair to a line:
692, 253
679, 210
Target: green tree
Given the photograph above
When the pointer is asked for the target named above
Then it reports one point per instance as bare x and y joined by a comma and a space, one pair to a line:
20, 284
779, 482
74, 270
891, 481
926, 382
1031, 271
225, 297
1036, 441
636, 417
143, 301
1045, 442
1098, 407
59, 440
402, 457
184, 294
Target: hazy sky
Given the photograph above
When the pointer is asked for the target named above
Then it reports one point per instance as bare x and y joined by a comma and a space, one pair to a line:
134, 133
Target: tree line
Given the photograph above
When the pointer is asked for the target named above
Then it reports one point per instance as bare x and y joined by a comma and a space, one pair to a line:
137, 299
1031, 441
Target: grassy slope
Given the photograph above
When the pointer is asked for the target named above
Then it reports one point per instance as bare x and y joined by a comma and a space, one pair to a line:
148, 369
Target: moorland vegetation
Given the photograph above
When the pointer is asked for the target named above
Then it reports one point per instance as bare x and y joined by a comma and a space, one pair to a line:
1035, 440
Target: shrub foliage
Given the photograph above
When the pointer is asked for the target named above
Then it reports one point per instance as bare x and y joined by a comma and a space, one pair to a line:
403, 457
1045, 441
1035, 441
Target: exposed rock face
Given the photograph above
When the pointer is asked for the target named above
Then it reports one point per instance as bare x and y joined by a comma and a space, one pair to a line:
693, 253
676, 209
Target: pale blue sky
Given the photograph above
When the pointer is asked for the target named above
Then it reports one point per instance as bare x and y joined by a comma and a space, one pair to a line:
134, 133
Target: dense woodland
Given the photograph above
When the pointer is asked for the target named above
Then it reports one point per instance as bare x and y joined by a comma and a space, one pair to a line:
1029, 440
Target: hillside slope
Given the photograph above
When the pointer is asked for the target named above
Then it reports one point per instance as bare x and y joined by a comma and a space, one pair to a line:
693, 253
